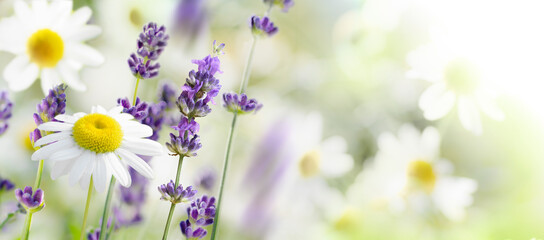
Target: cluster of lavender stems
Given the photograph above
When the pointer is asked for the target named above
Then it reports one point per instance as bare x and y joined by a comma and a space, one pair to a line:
46, 111
238, 104
150, 44
200, 88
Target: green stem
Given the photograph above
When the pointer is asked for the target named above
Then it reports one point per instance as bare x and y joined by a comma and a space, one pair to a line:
172, 206
136, 90
247, 69
26, 227
8, 217
89, 193
225, 166
38, 181
106, 211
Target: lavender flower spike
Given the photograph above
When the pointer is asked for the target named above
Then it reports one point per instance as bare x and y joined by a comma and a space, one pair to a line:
31, 202
201, 213
5, 111
240, 104
152, 41
51, 106
184, 145
176, 194
138, 111
261, 27
283, 4
141, 68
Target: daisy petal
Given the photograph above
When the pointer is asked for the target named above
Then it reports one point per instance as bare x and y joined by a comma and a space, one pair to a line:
136, 130
86, 177
436, 101
489, 107
119, 171
20, 73
337, 165
45, 152
144, 147
66, 154
136, 162
469, 115
80, 164
84, 54
61, 168
70, 76
81, 16
84, 33
51, 138
55, 126
116, 110
50, 79
66, 118
101, 173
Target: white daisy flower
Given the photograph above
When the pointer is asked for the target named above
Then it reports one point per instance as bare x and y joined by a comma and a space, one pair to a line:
47, 39
316, 156
456, 80
407, 173
99, 144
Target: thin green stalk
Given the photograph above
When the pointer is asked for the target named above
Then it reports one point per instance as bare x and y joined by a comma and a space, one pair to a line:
89, 193
225, 166
172, 206
247, 69
26, 227
8, 217
106, 211
38, 181
136, 90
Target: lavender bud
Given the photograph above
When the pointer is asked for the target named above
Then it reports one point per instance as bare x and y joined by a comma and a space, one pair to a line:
5, 111
283, 4
262, 27
239, 104
6, 185
152, 41
31, 202
176, 194
141, 68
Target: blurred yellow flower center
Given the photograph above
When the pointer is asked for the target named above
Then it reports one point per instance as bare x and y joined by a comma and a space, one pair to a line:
348, 220
98, 133
136, 17
461, 76
309, 164
45, 48
422, 174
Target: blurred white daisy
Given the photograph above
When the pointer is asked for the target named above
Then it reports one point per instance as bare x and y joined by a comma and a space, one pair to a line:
99, 144
407, 173
47, 39
456, 80
315, 156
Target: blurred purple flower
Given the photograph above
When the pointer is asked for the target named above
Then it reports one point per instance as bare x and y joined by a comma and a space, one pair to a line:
239, 103
5, 111
6, 185
206, 179
190, 17
261, 27
283, 4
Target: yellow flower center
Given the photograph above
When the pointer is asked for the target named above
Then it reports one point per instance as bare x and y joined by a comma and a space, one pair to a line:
309, 164
98, 133
45, 48
136, 18
349, 220
461, 76
422, 175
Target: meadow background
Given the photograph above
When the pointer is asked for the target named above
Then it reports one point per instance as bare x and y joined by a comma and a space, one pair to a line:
336, 70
